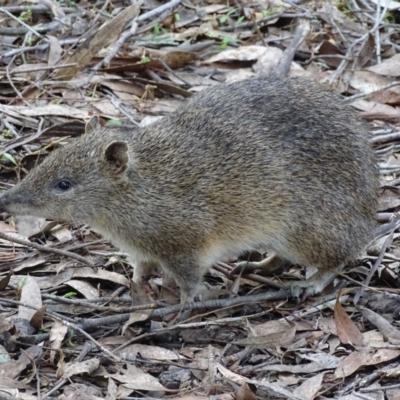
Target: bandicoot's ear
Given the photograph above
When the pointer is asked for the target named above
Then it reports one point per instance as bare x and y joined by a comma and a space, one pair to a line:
93, 125
117, 157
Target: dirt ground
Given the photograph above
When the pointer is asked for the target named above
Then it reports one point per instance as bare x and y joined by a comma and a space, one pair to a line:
72, 323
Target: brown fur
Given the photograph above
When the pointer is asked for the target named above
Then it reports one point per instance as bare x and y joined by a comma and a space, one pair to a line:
275, 163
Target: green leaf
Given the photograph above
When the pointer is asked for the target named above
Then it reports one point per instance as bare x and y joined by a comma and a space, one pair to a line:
9, 157
223, 19
114, 121
70, 294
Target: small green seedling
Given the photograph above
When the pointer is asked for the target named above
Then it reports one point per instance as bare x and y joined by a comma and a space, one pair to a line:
9, 157
144, 60
224, 18
70, 294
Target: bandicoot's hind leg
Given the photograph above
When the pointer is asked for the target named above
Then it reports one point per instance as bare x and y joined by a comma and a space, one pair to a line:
328, 250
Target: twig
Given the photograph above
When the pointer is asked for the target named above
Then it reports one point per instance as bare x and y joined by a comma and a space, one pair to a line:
83, 303
36, 8
362, 95
99, 14
10, 81
40, 47
43, 28
157, 11
43, 68
363, 38
46, 249
126, 35
87, 348
377, 263
260, 21
29, 28
119, 106
84, 333
301, 32
390, 137
282, 294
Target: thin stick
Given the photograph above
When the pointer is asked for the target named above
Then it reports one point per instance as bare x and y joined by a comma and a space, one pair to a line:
46, 249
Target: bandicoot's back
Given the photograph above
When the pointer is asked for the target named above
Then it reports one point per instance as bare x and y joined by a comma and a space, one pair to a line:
276, 163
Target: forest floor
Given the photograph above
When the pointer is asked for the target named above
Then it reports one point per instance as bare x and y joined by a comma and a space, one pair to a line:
69, 330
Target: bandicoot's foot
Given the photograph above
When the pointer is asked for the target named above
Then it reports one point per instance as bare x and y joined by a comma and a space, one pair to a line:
301, 290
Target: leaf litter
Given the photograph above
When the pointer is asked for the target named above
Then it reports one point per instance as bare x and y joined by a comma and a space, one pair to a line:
72, 324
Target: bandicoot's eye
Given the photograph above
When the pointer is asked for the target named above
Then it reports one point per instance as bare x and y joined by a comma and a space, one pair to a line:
63, 185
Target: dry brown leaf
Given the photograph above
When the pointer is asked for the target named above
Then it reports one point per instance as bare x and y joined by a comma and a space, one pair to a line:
6, 228
85, 288
106, 35
29, 226
269, 335
232, 376
328, 48
356, 359
12, 368
365, 53
106, 107
268, 61
192, 397
373, 110
384, 326
386, 96
245, 393
30, 72
134, 378
54, 7
57, 335
173, 60
30, 294
46, 111
150, 352
388, 67
319, 362
368, 82
79, 391
388, 200
37, 319
55, 50
136, 316
346, 329
244, 53
87, 272
112, 390
61, 233
4, 281
309, 389
84, 367
327, 325
46, 282
328, 13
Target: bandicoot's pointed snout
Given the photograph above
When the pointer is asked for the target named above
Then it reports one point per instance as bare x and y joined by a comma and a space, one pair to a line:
8, 199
